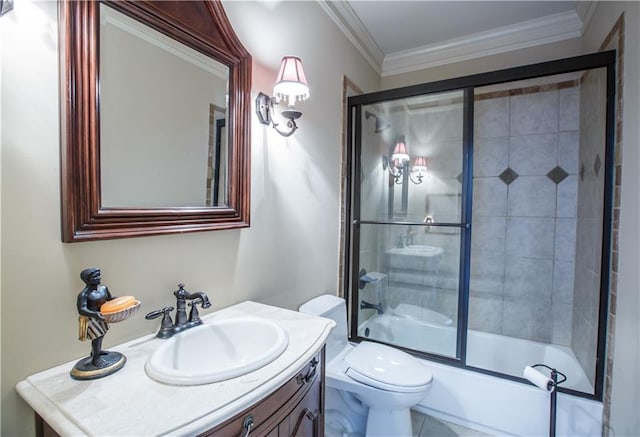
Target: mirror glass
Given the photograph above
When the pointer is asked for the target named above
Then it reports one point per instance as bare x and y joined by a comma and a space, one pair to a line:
162, 118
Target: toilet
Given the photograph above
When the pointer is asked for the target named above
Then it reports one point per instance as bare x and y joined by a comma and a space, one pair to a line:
370, 387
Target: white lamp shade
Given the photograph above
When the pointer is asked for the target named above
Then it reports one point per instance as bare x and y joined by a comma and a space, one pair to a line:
420, 165
291, 82
400, 154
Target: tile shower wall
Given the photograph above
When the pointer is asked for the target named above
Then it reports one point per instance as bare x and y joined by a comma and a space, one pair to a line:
524, 212
589, 222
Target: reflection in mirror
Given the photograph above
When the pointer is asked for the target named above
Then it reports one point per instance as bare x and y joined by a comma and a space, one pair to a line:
216, 158
154, 154
430, 127
155, 119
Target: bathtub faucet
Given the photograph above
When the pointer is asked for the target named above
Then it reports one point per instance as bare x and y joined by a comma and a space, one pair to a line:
366, 305
408, 238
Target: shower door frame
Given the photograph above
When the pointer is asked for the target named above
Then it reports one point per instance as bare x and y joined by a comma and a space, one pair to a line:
468, 84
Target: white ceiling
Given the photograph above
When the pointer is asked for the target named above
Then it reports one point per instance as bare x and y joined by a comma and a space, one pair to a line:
401, 36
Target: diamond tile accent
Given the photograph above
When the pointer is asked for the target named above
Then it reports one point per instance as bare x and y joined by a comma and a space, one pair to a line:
582, 172
597, 164
557, 175
508, 176
459, 178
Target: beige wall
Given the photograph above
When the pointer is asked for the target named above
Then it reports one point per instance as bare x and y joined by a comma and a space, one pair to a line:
625, 394
288, 255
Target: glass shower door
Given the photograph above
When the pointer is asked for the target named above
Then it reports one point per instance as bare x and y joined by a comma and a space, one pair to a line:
536, 253
408, 222
481, 219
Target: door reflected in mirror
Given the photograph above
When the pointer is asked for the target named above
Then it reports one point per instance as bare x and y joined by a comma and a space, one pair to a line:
217, 158
161, 103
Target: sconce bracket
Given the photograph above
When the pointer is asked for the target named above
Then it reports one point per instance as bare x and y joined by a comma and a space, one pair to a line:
264, 110
385, 162
417, 179
264, 107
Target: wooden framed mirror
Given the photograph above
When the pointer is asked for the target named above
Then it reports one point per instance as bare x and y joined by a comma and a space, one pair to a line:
123, 111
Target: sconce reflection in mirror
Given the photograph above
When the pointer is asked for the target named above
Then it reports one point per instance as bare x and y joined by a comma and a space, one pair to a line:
5, 6
292, 85
398, 163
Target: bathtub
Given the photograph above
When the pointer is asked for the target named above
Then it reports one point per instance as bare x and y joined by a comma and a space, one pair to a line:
491, 404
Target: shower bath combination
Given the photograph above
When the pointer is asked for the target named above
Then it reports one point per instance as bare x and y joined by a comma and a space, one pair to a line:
505, 245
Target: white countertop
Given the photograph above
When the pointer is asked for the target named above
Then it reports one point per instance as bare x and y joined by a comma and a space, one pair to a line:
129, 403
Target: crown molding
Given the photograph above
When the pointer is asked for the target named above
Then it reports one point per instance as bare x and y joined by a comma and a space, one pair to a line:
348, 22
585, 10
549, 29
121, 21
545, 30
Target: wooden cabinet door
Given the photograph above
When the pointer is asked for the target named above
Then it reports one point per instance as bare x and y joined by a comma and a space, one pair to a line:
306, 419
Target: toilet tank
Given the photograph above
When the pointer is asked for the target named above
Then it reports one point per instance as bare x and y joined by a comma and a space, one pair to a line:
334, 308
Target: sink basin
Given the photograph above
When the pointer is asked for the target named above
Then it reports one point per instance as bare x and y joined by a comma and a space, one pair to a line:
417, 250
217, 351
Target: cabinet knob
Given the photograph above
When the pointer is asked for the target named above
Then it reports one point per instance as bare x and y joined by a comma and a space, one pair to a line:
247, 425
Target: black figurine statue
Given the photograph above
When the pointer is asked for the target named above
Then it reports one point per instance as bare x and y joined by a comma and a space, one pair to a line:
93, 327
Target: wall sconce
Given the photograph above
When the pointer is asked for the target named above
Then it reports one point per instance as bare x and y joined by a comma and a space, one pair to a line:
418, 170
290, 84
398, 163
5, 6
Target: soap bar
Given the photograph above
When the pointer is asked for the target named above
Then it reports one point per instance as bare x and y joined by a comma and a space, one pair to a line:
118, 304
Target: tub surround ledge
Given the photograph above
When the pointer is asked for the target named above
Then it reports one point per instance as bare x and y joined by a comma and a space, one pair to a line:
131, 403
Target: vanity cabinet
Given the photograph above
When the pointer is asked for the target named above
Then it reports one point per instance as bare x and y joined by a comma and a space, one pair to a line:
295, 409
282, 398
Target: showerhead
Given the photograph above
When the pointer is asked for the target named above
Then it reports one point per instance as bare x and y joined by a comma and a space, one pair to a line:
380, 123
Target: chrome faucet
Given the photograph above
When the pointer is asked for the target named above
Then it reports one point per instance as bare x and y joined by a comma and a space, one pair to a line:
406, 239
409, 236
167, 326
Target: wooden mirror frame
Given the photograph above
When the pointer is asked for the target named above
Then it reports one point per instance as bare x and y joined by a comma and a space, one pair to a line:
201, 25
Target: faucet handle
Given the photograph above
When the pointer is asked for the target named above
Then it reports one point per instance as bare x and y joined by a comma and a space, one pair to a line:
194, 316
157, 313
166, 326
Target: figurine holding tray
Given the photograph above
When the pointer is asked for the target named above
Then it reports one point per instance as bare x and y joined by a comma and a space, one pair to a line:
97, 308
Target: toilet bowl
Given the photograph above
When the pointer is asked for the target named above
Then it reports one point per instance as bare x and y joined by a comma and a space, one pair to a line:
374, 384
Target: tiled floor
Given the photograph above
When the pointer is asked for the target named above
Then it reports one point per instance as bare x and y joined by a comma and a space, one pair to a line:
427, 426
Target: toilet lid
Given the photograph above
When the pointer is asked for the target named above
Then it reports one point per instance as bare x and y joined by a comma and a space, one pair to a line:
387, 368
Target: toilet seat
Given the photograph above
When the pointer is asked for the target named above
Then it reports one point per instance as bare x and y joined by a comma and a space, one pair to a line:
386, 368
